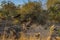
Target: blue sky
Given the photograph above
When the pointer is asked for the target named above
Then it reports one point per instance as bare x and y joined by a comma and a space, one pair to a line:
22, 1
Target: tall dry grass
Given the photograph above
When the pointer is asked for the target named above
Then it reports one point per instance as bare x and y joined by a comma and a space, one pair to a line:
51, 30
23, 36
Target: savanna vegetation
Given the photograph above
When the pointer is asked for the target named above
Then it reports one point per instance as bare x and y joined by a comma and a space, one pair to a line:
30, 21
